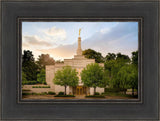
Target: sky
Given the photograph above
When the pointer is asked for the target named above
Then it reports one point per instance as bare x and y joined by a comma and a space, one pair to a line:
60, 39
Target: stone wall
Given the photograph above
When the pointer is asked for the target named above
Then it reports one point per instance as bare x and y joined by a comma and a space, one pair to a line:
36, 90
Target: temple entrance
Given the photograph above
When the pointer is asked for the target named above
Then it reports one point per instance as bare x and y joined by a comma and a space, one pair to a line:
79, 90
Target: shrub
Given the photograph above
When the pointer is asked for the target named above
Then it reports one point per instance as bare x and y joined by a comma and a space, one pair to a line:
51, 93
113, 90
40, 86
33, 93
61, 93
96, 96
26, 93
44, 93
96, 93
29, 82
64, 96
26, 90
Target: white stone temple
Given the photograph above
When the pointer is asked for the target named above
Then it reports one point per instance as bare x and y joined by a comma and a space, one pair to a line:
78, 62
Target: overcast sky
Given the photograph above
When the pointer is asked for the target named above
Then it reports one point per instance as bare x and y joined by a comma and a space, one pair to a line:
59, 39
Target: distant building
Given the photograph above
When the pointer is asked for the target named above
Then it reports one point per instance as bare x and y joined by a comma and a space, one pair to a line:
78, 62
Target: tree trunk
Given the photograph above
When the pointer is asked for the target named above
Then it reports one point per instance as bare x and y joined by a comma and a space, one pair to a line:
132, 91
86, 91
65, 90
73, 90
124, 91
94, 90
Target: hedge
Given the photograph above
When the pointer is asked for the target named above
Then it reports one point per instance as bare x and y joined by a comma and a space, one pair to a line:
64, 96
40, 86
43, 93
114, 90
29, 82
96, 96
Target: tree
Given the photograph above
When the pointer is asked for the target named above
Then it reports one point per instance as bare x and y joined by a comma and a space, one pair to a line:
108, 65
122, 59
133, 76
59, 61
66, 77
105, 80
41, 77
29, 66
126, 75
92, 75
23, 78
92, 54
43, 60
110, 56
135, 58
134, 82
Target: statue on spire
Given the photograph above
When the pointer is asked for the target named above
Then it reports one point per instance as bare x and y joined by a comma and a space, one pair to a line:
79, 50
79, 31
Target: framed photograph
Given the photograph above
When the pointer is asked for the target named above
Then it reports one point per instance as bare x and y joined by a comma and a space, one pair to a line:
80, 60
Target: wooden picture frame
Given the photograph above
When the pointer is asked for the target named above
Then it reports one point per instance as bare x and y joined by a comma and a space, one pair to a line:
145, 12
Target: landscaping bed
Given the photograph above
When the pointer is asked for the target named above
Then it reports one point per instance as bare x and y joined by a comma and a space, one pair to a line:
43, 93
95, 96
64, 96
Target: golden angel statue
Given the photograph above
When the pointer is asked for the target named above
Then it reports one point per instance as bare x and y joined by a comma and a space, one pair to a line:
79, 31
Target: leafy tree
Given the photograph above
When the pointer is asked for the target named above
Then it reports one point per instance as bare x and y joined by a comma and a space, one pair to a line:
133, 76
92, 54
59, 61
106, 78
108, 65
23, 77
66, 77
122, 58
92, 75
41, 77
127, 76
134, 81
43, 60
110, 56
135, 58
29, 66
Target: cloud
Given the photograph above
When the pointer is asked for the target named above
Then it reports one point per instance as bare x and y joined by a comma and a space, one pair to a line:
35, 41
103, 31
56, 33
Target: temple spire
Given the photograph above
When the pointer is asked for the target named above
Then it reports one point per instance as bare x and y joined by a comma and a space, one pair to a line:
79, 50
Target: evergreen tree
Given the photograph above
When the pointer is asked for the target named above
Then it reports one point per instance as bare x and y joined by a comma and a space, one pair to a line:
29, 66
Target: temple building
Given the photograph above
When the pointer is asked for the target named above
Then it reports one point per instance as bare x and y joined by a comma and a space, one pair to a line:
78, 62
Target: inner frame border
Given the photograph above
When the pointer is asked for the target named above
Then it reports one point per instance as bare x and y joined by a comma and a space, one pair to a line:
21, 19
